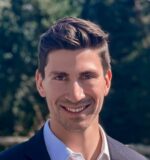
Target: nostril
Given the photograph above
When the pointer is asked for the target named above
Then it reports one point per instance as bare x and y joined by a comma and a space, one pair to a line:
75, 92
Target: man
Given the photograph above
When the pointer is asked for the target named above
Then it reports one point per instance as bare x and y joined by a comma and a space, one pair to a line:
74, 75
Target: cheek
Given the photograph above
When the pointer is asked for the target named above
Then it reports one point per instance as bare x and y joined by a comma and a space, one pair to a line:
98, 93
96, 89
53, 91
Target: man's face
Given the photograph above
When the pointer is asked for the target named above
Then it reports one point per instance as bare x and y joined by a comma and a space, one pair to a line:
74, 87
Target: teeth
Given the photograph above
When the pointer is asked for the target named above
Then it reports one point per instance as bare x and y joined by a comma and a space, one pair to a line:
80, 107
75, 110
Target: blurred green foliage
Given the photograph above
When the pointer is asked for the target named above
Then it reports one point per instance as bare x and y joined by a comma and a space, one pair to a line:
21, 23
126, 114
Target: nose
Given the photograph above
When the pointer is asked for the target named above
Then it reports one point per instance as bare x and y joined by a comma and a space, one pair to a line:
75, 92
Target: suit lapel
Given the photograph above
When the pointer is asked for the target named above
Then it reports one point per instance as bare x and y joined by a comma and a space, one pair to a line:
114, 149
119, 151
35, 148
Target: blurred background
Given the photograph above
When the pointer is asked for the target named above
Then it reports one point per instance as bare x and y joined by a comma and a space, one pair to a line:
126, 112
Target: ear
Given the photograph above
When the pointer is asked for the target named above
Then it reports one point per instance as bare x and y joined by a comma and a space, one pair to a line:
108, 77
39, 83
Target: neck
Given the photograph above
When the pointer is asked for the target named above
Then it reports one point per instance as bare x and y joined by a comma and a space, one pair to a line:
88, 141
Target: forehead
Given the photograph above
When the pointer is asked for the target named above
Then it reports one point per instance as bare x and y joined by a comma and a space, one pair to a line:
78, 59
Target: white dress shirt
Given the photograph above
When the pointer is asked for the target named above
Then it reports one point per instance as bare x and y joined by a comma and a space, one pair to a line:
57, 150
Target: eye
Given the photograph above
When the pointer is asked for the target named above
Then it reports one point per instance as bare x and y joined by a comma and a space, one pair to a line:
60, 77
88, 75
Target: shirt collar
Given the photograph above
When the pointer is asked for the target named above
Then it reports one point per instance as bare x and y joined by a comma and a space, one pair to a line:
104, 154
55, 146
104, 149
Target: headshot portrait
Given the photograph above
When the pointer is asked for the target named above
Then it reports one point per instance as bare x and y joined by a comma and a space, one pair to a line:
74, 76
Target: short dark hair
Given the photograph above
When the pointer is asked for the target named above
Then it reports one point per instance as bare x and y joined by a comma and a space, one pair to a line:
72, 34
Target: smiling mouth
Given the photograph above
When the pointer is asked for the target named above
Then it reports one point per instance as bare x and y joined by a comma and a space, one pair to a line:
76, 109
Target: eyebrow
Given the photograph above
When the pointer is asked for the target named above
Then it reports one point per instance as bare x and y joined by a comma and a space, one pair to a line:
91, 72
57, 72
61, 72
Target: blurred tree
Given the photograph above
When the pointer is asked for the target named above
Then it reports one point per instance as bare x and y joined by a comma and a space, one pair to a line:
21, 23
126, 114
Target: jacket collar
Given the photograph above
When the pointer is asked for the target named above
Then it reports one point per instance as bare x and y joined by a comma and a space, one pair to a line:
35, 148
115, 150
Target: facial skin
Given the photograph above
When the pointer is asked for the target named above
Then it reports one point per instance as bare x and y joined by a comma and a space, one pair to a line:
74, 87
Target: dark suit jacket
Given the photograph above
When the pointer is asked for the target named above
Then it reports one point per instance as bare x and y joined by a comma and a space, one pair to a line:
35, 149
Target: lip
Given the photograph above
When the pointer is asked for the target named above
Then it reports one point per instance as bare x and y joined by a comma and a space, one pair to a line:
74, 109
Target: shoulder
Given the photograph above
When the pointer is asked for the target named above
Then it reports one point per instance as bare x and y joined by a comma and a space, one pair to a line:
121, 151
15, 152
34, 148
18, 151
